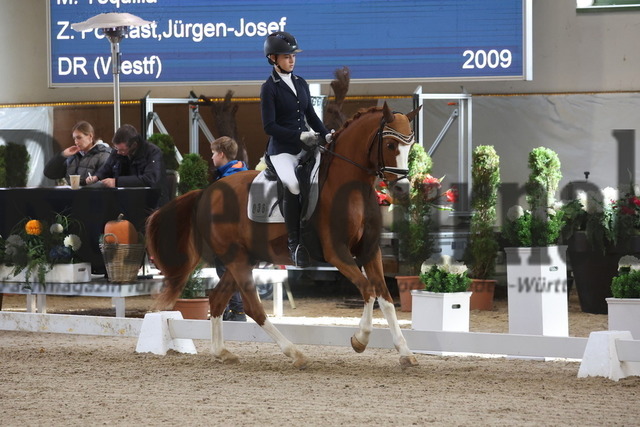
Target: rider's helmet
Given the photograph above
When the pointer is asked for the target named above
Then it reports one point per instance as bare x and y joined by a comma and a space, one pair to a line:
280, 43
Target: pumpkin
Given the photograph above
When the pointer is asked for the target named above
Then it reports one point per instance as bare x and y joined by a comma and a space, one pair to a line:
120, 231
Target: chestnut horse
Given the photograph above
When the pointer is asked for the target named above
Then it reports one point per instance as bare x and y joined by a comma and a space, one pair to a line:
374, 143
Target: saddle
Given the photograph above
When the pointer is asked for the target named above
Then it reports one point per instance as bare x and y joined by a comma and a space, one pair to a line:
266, 191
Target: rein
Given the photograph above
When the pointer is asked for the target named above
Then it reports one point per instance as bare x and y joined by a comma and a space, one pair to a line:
384, 131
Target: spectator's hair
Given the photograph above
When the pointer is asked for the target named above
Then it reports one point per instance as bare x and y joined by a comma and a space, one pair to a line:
84, 127
128, 134
227, 146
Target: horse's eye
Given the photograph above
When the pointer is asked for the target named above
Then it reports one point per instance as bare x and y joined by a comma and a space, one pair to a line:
391, 146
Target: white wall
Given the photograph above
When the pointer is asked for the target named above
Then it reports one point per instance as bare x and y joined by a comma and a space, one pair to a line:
573, 52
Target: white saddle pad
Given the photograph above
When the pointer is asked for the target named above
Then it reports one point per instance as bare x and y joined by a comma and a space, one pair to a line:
263, 196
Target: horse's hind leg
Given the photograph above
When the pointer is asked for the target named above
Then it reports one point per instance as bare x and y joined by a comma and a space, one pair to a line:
254, 309
218, 299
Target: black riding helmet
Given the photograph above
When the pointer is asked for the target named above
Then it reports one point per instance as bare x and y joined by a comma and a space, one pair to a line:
280, 43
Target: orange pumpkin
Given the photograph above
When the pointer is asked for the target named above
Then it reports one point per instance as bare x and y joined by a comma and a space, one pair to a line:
120, 231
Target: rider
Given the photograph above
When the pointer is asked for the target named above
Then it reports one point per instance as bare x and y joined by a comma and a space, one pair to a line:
286, 111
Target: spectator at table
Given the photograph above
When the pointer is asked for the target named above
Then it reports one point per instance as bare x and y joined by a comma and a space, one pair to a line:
134, 162
83, 158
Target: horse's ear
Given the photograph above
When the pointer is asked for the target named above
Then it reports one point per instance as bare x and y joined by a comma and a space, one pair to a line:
413, 114
387, 113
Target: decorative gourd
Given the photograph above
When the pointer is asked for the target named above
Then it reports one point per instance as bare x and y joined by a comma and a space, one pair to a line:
120, 231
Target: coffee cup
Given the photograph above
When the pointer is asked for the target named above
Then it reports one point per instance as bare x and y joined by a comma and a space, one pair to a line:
74, 181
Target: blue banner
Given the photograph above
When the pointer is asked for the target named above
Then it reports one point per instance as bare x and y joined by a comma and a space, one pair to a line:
208, 42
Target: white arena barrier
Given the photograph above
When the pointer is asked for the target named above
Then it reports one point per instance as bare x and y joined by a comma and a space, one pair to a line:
611, 354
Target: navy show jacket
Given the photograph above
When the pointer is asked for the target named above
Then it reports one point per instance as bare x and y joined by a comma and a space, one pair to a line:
284, 113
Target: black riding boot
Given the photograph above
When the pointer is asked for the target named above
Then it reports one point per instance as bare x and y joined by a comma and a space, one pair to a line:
291, 210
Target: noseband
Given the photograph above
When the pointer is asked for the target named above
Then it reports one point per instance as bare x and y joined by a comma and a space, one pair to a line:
384, 131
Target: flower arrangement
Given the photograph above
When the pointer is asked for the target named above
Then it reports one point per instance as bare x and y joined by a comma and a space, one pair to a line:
627, 283
607, 219
542, 223
35, 247
383, 194
442, 274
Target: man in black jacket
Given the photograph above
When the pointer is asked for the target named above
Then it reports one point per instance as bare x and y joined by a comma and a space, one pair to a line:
134, 162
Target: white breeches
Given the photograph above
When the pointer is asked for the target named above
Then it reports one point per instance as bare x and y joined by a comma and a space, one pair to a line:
285, 165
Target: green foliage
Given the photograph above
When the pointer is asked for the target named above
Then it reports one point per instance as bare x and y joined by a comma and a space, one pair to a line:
416, 244
626, 284
544, 177
485, 178
541, 225
194, 288
193, 173
167, 146
16, 161
439, 279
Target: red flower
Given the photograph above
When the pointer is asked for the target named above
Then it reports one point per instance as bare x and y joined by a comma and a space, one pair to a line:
451, 195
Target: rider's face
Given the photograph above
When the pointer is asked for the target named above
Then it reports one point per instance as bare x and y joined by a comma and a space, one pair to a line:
286, 62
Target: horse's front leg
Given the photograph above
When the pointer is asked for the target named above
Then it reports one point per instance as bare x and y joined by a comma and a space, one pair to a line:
218, 299
350, 270
376, 276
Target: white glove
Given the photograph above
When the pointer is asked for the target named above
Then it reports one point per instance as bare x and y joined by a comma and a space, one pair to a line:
309, 138
329, 137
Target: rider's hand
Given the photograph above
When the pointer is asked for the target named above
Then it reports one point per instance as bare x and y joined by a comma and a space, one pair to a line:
309, 138
329, 137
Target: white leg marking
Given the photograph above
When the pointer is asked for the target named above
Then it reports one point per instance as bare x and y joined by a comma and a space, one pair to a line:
287, 347
366, 322
389, 312
217, 342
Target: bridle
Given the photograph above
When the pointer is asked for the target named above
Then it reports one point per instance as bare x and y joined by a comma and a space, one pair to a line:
384, 131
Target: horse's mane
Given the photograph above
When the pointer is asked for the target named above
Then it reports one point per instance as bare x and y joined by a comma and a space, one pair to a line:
355, 117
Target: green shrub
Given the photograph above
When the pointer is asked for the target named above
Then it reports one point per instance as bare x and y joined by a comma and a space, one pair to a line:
3, 167
442, 279
626, 284
166, 145
193, 173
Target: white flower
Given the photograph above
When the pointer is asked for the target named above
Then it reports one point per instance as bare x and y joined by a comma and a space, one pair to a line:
455, 268
72, 241
636, 189
515, 212
583, 198
435, 259
593, 203
610, 195
13, 245
629, 261
56, 228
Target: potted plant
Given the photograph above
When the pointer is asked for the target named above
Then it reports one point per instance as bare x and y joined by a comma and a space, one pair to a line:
483, 245
412, 221
193, 302
536, 264
601, 228
624, 306
193, 172
168, 147
443, 302
48, 253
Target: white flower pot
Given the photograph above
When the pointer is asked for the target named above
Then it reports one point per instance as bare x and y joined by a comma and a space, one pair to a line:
433, 311
624, 315
537, 291
60, 273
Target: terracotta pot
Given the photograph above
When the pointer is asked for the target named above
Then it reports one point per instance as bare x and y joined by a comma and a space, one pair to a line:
482, 294
406, 284
196, 308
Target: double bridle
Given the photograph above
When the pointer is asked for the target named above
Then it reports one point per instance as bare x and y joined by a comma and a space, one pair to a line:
384, 131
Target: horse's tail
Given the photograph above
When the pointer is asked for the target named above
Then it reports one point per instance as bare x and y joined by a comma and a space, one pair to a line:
170, 241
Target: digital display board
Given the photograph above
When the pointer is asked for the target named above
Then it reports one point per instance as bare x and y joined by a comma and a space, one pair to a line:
210, 42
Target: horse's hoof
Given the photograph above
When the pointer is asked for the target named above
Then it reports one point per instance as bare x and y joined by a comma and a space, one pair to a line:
357, 346
408, 361
301, 361
228, 358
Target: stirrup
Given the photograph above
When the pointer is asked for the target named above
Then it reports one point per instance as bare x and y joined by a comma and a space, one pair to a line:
300, 257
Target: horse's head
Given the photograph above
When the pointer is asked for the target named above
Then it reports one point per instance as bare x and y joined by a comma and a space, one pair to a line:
395, 140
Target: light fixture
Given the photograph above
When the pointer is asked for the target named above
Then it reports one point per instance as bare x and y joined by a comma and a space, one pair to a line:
114, 26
